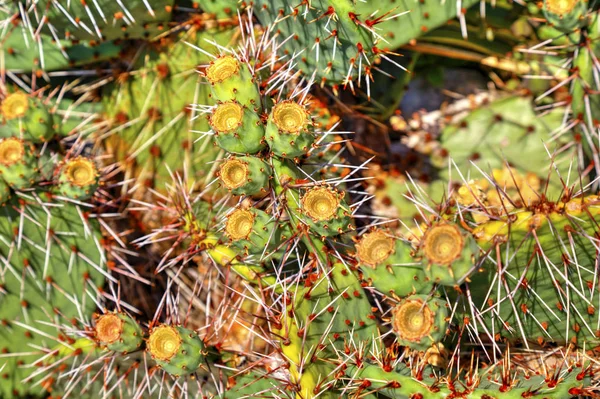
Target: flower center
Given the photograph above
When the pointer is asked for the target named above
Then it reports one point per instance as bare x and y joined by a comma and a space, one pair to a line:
109, 328
560, 7
412, 320
164, 342
234, 173
320, 203
443, 244
239, 224
289, 116
81, 172
11, 151
375, 247
15, 105
227, 117
222, 68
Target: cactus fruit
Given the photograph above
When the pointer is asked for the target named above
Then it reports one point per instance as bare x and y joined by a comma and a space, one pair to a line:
177, 350
237, 129
386, 264
253, 231
18, 163
232, 80
288, 131
28, 116
245, 175
118, 332
565, 15
324, 210
448, 253
78, 178
419, 321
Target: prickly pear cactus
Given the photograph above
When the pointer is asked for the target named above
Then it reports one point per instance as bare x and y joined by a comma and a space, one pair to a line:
192, 218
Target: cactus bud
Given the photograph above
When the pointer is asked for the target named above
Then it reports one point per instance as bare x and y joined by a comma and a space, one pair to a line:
118, 332
237, 129
78, 178
419, 322
18, 163
175, 349
245, 175
288, 130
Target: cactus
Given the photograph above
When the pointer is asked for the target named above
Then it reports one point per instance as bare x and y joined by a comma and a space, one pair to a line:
419, 321
118, 332
153, 132
53, 265
386, 264
248, 261
342, 40
175, 349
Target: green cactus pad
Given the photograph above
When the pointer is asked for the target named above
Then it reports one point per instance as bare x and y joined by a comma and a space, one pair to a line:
52, 266
545, 291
